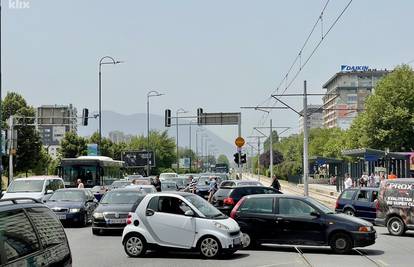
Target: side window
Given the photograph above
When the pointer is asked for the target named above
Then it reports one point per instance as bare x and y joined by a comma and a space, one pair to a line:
48, 226
267, 191
17, 236
348, 194
172, 205
48, 185
59, 184
153, 204
257, 205
296, 207
363, 195
374, 196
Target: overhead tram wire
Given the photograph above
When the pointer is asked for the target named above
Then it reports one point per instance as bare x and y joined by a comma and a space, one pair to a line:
323, 37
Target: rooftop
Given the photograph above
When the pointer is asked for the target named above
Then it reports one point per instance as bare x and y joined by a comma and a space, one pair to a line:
370, 72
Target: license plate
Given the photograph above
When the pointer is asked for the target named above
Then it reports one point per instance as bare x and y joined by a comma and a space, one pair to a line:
237, 241
62, 217
116, 221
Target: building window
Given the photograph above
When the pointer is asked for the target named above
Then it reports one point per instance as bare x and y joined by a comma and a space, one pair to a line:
352, 98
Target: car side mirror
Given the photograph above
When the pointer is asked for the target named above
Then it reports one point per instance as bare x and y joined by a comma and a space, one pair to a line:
149, 212
49, 191
189, 213
315, 214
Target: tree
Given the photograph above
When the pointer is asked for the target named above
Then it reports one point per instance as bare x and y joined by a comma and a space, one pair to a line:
265, 158
388, 120
29, 146
222, 159
72, 146
107, 146
275, 140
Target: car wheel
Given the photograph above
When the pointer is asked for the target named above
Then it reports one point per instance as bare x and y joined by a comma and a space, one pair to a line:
349, 212
96, 231
248, 241
135, 246
340, 243
396, 226
209, 247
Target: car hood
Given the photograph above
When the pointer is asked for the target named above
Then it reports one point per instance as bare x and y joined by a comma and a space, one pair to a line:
230, 223
64, 204
348, 219
114, 207
35, 195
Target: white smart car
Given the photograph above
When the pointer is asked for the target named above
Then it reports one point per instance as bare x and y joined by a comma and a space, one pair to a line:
182, 221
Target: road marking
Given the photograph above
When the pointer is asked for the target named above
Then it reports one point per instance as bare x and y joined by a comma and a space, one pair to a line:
303, 256
379, 263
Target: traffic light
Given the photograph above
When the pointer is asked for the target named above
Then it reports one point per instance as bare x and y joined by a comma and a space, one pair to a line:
199, 113
85, 115
168, 118
236, 158
243, 158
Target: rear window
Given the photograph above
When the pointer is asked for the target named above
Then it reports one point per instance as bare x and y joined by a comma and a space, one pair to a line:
17, 236
348, 194
223, 192
229, 183
257, 205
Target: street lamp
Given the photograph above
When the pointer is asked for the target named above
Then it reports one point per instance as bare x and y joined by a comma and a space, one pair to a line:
149, 95
103, 61
179, 111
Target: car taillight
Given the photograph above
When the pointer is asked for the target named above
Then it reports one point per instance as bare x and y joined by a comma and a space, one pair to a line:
234, 210
129, 218
337, 204
228, 201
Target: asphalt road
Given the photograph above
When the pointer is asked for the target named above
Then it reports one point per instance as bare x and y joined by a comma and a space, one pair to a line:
89, 250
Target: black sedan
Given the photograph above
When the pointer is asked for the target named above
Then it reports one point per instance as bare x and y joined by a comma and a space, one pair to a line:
113, 209
72, 205
294, 220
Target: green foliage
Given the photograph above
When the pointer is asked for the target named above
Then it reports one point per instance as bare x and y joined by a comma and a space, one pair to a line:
388, 121
222, 159
275, 140
72, 146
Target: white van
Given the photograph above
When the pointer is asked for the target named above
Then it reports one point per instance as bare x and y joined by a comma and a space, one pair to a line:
37, 187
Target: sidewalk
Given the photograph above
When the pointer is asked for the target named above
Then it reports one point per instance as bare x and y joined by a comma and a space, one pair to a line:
324, 193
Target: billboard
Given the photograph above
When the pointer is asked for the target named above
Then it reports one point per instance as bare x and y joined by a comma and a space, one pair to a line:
136, 159
185, 163
92, 149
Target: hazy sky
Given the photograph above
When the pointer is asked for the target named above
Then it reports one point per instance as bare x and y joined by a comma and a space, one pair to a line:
215, 54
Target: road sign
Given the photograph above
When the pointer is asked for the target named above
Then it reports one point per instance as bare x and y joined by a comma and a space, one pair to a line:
239, 141
136, 159
218, 118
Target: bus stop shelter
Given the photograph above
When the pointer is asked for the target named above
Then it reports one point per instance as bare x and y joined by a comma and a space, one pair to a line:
367, 159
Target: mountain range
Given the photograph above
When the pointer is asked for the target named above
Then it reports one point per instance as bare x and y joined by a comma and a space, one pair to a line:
136, 124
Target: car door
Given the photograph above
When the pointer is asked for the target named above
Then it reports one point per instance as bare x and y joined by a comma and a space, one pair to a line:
168, 224
256, 217
362, 203
295, 223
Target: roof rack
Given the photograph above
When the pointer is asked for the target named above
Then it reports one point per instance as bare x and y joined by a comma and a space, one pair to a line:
15, 200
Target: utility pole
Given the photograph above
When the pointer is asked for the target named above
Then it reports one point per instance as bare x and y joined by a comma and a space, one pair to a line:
11, 147
271, 149
239, 151
258, 159
305, 141
189, 145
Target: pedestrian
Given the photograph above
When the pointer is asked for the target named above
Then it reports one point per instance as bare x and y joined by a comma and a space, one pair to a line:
80, 184
157, 183
237, 176
377, 179
276, 183
212, 189
348, 181
372, 180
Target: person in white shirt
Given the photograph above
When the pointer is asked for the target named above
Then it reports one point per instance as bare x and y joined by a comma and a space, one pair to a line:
80, 184
348, 181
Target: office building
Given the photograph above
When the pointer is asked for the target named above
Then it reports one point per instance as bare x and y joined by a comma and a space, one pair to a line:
346, 93
315, 117
53, 121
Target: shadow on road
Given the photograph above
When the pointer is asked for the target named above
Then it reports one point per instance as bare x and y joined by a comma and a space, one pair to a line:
316, 250
165, 254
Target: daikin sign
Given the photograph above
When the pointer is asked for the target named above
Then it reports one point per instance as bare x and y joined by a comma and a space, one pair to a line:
354, 68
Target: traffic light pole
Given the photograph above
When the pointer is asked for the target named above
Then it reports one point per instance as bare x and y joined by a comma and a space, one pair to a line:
271, 149
240, 150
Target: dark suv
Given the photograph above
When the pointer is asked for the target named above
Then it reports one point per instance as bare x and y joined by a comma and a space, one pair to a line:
227, 197
296, 220
31, 235
359, 202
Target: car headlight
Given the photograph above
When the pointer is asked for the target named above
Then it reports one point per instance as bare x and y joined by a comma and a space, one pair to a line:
221, 226
98, 215
74, 210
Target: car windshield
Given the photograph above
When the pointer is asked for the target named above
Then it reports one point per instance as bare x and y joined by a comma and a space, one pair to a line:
120, 197
320, 206
168, 175
208, 210
168, 185
26, 186
249, 183
203, 181
118, 184
68, 195
179, 181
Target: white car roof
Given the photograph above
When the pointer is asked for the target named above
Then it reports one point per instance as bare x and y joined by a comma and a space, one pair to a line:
38, 178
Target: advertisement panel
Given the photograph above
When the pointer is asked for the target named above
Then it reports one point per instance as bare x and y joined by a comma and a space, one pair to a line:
92, 149
136, 159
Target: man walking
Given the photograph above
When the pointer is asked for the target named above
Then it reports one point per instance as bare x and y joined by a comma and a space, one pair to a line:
348, 181
276, 183
157, 183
